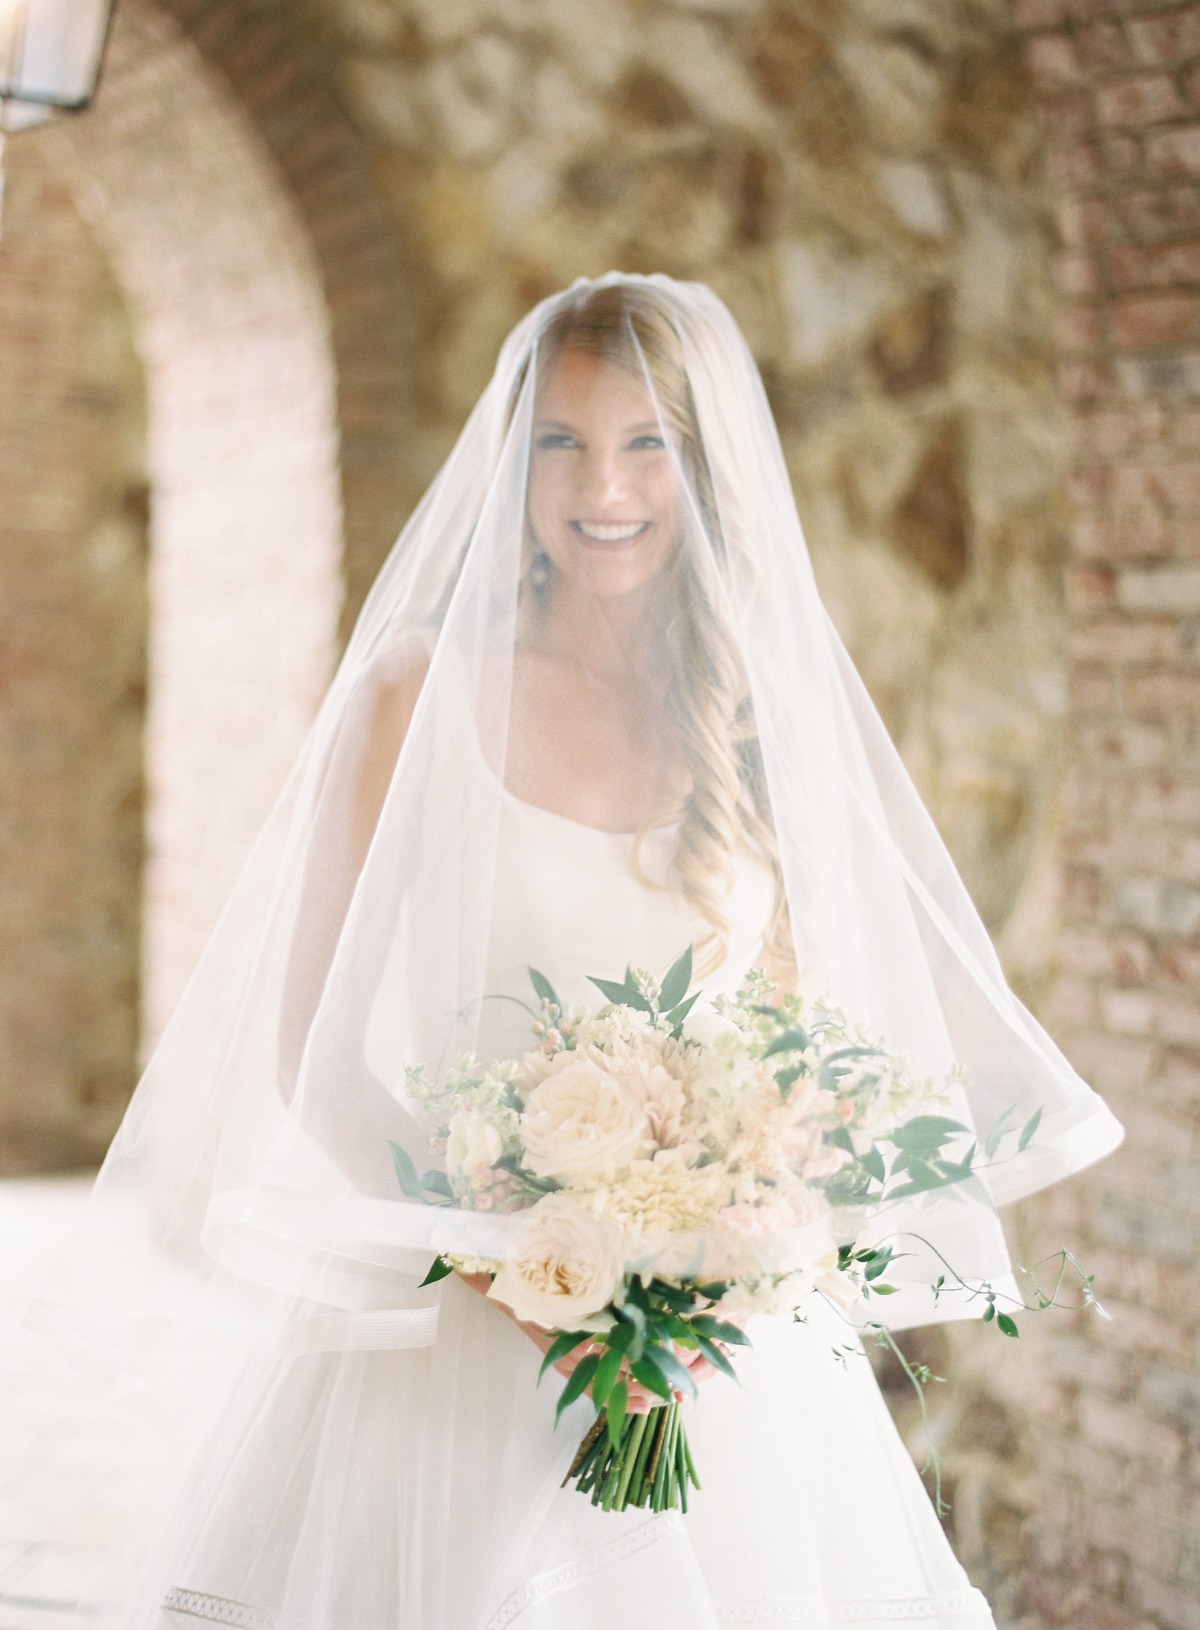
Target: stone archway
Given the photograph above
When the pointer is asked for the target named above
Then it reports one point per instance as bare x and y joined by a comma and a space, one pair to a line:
241, 383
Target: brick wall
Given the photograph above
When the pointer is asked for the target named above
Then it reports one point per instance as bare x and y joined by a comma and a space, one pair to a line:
72, 679
1115, 1534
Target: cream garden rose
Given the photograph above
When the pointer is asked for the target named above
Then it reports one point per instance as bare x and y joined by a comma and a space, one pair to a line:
566, 1266
582, 1118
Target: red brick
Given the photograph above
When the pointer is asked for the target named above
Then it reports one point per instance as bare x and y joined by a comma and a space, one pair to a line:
1128, 1431
1141, 99
1166, 39
1076, 274
1067, 117
1110, 431
1039, 13
1125, 640
1134, 266
1190, 84
1087, 220
1175, 151
1079, 166
1138, 321
1135, 532
1103, 46
1161, 212
1160, 799
1138, 1330
1123, 743
1163, 695
1093, 693
1083, 379
1178, 1075
1053, 61
1087, 485
1174, 481
1180, 961
1078, 327
1120, 1528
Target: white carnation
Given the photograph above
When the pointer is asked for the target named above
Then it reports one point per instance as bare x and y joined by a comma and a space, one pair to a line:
663, 1195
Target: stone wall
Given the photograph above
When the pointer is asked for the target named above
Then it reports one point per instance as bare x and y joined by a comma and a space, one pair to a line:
1113, 1536
73, 526
863, 185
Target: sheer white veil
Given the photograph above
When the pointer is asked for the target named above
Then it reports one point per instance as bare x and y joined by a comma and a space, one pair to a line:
249, 1198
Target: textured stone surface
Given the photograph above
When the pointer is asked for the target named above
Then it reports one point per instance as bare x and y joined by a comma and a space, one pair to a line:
866, 197
73, 626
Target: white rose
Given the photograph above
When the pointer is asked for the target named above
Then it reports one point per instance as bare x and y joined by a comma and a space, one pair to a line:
582, 1119
707, 1027
565, 1269
473, 1145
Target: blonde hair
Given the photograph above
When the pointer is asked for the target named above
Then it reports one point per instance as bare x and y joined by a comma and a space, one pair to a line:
708, 698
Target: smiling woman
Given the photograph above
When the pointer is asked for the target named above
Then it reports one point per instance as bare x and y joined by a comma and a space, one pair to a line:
615, 722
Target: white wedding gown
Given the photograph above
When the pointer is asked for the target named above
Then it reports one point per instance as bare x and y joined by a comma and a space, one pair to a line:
420, 1489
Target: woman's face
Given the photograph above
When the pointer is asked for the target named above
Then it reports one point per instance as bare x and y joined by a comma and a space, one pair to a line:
602, 480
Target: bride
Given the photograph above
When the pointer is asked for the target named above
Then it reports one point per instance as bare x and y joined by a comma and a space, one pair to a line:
593, 713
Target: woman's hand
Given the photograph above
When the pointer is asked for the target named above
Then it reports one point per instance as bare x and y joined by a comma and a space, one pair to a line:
640, 1400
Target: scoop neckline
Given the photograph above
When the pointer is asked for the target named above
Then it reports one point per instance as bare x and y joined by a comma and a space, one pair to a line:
581, 826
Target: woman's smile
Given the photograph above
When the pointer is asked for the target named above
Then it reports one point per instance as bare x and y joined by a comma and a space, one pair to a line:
610, 534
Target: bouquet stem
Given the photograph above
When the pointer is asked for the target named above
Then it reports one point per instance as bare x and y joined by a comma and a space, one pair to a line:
649, 1464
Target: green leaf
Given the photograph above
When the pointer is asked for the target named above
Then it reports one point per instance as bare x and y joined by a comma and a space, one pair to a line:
872, 1162
791, 1041
786, 1079
564, 1343
675, 982
878, 1263
989, 1312
717, 1330
883, 1290
577, 1382
680, 1012
406, 1173
1008, 1324
678, 1374
439, 1269
607, 1371
615, 1413
1027, 1131
621, 1337
652, 1378
932, 1130
434, 1182
624, 995
832, 1069
716, 1357
841, 1139
995, 1136
544, 989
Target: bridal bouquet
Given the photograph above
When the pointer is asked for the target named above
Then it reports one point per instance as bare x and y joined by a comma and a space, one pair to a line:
669, 1171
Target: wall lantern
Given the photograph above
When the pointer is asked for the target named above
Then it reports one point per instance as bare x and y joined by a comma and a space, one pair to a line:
50, 57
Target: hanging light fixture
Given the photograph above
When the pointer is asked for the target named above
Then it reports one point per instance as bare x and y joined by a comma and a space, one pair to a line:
50, 57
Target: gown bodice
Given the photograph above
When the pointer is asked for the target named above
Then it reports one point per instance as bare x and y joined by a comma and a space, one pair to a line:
569, 901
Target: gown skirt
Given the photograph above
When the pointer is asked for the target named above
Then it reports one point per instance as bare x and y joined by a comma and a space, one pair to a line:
420, 1490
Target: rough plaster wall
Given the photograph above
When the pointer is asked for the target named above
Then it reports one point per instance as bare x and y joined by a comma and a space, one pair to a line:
242, 455
73, 521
